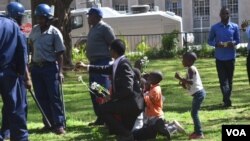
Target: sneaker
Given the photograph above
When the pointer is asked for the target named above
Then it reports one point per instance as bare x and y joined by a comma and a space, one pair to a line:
59, 131
178, 126
196, 136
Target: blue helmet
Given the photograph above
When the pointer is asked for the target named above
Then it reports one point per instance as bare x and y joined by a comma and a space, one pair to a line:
15, 10
44, 10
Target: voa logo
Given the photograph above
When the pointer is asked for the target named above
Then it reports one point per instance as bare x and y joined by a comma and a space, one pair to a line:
236, 132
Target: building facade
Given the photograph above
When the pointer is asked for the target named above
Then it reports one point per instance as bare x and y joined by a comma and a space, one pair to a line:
198, 15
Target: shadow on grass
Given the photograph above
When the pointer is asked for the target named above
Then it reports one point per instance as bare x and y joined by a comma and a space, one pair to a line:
220, 107
90, 133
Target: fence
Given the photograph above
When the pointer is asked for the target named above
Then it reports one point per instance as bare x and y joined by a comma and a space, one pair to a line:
186, 39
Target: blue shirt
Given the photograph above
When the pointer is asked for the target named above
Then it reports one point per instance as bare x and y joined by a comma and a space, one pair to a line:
224, 33
248, 37
47, 44
13, 46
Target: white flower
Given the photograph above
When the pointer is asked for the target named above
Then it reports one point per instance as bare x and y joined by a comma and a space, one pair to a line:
93, 86
76, 50
145, 58
80, 78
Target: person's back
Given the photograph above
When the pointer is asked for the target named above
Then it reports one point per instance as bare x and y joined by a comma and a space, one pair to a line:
10, 36
12, 65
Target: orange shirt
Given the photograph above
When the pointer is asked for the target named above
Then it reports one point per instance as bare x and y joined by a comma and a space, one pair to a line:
153, 100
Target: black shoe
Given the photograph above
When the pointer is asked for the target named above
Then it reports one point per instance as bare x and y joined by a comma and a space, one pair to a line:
227, 105
59, 131
46, 129
162, 129
96, 123
125, 138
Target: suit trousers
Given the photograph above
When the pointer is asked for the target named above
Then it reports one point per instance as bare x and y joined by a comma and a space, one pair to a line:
128, 111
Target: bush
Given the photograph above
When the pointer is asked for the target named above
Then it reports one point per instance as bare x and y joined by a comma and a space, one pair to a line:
153, 53
142, 46
242, 51
78, 53
204, 51
169, 44
132, 56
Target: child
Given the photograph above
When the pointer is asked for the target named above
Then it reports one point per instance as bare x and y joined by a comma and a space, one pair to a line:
154, 117
194, 85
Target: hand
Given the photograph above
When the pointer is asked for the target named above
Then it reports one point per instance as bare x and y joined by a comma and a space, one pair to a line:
177, 75
80, 65
183, 85
28, 84
244, 24
220, 44
61, 77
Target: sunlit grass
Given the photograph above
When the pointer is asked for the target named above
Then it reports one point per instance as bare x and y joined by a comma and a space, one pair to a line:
176, 106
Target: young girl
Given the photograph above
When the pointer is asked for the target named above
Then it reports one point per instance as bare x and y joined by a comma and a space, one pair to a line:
194, 85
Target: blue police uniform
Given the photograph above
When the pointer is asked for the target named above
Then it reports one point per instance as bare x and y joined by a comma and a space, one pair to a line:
12, 66
45, 72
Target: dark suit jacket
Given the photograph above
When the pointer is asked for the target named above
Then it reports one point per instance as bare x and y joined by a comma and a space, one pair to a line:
124, 85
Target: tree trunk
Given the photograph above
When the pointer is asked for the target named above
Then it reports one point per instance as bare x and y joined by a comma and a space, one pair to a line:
62, 22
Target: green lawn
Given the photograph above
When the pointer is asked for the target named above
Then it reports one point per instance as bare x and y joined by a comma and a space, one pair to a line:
176, 106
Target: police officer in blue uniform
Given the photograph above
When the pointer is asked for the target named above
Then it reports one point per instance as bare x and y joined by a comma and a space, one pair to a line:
13, 60
16, 11
46, 69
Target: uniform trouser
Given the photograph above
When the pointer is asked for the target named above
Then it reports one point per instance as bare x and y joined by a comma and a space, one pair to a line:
225, 70
128, 111
5, 128
46, 83
100, 79
14, 105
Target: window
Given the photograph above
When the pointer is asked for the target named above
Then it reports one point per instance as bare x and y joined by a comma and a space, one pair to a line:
232, 5
201, 14
121, 7
174, 6
76, 22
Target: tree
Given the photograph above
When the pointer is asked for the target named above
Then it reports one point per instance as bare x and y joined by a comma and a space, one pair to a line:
62, 22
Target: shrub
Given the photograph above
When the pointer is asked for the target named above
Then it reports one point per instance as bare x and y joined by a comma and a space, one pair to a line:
153, 53
142, 46
78, 53
169, 44
135, 55
242, 51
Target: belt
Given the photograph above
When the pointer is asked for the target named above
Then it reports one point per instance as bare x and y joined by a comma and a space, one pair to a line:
42, 64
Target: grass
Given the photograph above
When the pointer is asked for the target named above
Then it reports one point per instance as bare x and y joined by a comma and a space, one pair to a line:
176, 106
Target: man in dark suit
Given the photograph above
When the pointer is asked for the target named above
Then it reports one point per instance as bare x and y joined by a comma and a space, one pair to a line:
126, 99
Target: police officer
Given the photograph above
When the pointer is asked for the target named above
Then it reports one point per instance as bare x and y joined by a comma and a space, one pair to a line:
46, 69
15, 11
99, 39
12, 65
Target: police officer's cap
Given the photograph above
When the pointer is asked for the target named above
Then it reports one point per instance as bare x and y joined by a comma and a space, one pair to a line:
95, 11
